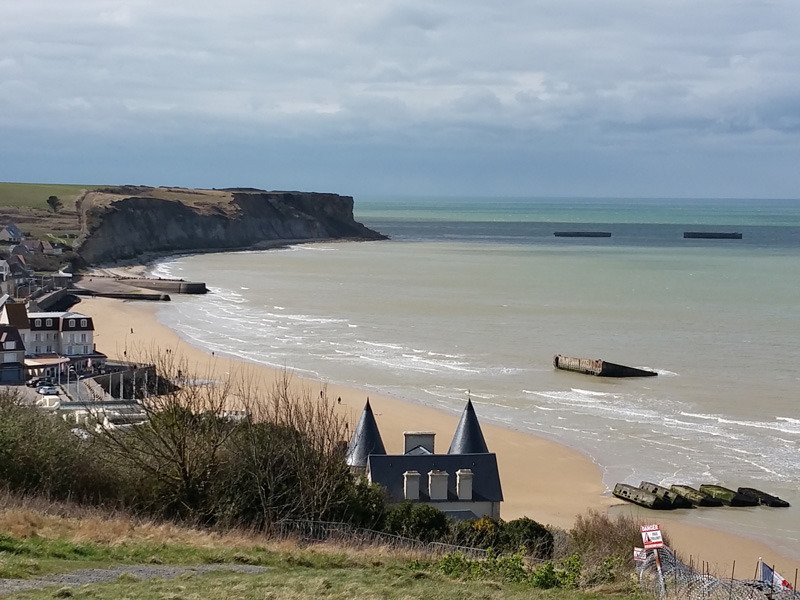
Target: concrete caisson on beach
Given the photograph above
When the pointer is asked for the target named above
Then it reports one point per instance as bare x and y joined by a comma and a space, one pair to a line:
598, 367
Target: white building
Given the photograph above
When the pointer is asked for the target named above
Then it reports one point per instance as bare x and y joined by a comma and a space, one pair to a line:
67, 334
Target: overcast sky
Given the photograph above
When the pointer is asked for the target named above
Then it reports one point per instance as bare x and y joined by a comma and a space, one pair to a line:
552, 97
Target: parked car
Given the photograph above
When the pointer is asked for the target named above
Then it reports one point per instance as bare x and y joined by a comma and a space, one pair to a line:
39, 382
47, 390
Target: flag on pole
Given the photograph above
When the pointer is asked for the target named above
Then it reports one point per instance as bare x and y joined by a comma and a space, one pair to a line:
773, 579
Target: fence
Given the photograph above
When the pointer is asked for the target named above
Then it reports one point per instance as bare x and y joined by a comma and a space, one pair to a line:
323, 531
683, 581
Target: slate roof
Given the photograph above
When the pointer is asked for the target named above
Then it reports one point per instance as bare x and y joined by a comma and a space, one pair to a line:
17, 315
468, 438
387, 471
365, 441
60, 321
11, 334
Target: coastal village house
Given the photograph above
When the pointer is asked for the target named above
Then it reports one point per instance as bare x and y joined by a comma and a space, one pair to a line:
53, 340
464, 483
11, 234
12, 356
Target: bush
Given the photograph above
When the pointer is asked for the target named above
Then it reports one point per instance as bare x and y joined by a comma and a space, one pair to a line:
503, 537
418, 521
39, 454
545, 576
528, 534
604, 544
190, 461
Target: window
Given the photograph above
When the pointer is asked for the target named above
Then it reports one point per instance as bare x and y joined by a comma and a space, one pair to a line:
48, 323
71, 338
49, 349
86, 349
37, 323
38, 337
83, 337
38, 349
83, 322
72, 322
9, 345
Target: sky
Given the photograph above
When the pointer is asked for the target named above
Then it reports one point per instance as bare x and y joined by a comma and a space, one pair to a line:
380, 98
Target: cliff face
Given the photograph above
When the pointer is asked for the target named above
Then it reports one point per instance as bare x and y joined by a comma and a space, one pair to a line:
117, 226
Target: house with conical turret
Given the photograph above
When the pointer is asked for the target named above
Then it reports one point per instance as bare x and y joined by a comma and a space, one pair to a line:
464, 483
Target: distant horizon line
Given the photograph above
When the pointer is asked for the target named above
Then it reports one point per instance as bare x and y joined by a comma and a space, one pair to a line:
424, 196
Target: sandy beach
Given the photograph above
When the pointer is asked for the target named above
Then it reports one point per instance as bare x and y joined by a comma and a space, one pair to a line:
546, 481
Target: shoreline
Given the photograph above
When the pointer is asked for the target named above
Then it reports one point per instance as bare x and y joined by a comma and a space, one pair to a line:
141, 266
543, 479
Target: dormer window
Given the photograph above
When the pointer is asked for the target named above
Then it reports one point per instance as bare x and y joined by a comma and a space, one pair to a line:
48, 323
83, 323
71, 323
37, 323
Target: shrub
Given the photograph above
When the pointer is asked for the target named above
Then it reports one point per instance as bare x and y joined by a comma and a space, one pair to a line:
523, 534
418, 521
604, 545
528, 534
190, 461
545, 576
39, 454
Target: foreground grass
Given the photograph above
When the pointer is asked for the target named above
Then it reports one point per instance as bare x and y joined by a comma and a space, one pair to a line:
39, 538
297, 582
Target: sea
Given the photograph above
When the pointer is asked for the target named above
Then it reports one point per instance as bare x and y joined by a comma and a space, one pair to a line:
474, 296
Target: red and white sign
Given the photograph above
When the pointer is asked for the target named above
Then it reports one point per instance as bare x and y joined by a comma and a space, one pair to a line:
651, 537
639, 555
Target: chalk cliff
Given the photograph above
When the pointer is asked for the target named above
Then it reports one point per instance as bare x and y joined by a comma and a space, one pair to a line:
129, 222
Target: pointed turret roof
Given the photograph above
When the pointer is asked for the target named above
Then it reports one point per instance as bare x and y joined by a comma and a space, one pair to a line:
468, 438
365, 441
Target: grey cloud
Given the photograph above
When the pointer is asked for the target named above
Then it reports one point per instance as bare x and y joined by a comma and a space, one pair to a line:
567, 73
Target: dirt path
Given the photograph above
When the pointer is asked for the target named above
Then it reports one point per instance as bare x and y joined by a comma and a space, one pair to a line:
90, 576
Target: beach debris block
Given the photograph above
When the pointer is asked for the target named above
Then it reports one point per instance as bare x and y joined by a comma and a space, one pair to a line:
598, 367
694, 496
729, 497
584, 234
675, 499
712, 235
641, 497
764, 498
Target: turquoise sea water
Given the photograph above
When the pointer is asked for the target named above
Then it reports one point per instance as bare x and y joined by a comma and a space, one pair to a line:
481, 299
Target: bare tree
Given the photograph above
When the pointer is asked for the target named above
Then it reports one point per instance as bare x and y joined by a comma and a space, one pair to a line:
230, 448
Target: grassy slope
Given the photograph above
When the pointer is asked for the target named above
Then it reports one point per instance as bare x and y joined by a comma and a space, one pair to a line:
34, 543
26, 205
390, 583
34, 195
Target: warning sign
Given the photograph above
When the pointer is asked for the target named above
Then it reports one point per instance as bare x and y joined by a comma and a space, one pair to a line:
651, 537
639, 555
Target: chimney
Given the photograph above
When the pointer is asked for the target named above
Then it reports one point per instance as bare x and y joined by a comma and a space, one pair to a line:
418, 438
464, 484
411, 485
437, 485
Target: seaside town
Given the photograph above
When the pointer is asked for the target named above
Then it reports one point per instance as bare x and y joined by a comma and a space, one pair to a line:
49, 350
